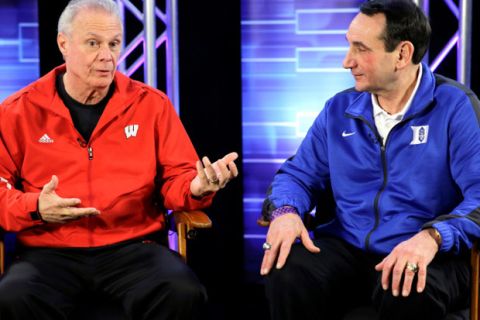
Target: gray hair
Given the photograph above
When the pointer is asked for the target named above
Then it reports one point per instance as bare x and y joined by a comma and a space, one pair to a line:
75, 6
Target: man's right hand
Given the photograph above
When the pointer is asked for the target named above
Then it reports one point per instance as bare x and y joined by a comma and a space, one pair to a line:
282, 233
54, 209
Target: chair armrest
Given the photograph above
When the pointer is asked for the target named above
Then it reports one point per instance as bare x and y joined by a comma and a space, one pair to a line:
193, 219
186, 222
262, 222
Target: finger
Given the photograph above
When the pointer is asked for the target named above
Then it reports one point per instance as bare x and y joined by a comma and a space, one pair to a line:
397, 274
307, 242
386, 270
68, 202
68, 214
232, 156
82, 212
421, 277
283, 254
233, 169
223, 173
200, 172
64, 215
227, 160
51, 185
380, 266
407, 282
209, 171
269, 257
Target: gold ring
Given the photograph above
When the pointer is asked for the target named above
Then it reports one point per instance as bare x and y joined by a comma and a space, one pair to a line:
213, 181
412, 267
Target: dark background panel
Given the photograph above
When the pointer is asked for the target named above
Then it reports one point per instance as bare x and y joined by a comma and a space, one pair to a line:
48, 15
210, 108
444, 25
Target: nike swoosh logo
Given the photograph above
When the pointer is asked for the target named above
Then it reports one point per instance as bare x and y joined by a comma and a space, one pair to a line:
347, 134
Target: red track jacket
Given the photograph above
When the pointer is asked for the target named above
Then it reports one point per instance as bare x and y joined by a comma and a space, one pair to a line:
138, 154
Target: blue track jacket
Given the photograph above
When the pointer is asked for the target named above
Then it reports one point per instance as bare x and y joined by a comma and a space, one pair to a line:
426, 173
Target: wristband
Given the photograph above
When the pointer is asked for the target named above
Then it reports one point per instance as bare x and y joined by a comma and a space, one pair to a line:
436, 236
281, 211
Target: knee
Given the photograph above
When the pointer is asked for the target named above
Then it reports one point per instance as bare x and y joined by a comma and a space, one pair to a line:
178, 298
415, 306
281, 279
13, 296
186, 290
290, 279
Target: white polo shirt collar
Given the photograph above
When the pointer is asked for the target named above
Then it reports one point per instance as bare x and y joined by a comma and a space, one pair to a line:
385, 121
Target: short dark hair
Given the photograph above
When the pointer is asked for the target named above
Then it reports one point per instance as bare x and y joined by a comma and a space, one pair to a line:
405, 22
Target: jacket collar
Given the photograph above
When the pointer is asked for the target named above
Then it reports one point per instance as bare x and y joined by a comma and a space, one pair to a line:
43, 93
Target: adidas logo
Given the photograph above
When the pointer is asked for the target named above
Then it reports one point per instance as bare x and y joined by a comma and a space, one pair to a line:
45, 139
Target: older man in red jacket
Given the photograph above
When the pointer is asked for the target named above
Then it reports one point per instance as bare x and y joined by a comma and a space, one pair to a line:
89, 160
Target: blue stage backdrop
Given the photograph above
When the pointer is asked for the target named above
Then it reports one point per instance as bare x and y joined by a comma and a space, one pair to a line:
19, 63
292, 52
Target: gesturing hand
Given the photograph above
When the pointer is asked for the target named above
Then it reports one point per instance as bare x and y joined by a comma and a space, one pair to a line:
212, 177
54, 209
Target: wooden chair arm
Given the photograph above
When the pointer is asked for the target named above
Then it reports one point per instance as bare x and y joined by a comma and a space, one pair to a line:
262, 222
186, 222
193, 219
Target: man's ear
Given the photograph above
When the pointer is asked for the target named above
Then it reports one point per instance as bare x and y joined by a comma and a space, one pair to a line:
62, 43
405, 51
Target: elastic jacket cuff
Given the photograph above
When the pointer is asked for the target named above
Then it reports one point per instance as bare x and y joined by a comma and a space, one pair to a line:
282, 211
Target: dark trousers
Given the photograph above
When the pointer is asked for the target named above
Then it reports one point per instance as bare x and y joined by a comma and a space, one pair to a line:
329, 284
149, 280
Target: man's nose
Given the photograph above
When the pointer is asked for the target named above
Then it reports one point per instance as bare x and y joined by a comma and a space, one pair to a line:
348, 61
105, 54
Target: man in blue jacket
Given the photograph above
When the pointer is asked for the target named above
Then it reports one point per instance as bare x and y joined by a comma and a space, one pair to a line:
400, 152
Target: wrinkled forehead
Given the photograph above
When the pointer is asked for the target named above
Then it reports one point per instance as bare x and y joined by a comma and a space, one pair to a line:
96, 21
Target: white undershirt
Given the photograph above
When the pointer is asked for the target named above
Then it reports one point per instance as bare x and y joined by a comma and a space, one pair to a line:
385, 121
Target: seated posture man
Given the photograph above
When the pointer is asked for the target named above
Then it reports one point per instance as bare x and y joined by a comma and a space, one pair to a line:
400, 153
89, 160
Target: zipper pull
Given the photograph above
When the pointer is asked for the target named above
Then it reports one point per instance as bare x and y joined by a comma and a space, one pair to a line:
90, 153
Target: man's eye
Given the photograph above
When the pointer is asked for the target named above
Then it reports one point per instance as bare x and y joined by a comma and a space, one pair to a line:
92, 43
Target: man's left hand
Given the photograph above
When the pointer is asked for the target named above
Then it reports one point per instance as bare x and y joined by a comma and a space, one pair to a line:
407, 260
212, 177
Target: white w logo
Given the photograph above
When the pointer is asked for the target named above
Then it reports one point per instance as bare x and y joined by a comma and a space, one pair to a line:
131, 130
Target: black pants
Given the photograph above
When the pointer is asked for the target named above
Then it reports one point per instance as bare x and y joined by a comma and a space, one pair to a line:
328, 284
149, 280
